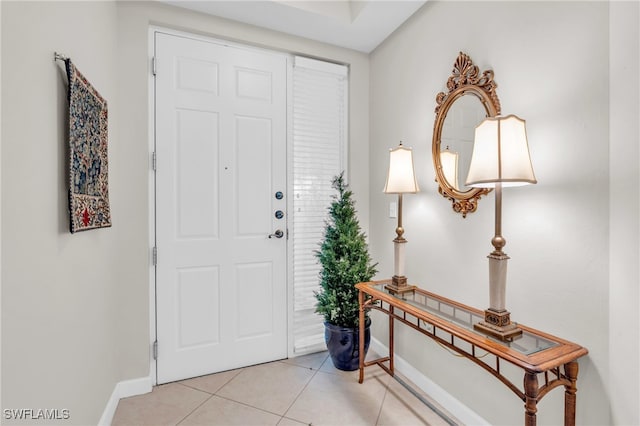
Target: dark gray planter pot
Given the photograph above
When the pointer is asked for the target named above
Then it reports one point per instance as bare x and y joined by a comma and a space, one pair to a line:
343, 343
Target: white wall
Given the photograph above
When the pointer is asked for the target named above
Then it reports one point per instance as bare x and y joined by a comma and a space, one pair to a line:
0, 200
59, 291
624, 211
551, 63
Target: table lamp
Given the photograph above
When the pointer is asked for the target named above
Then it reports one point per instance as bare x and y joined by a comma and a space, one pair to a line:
401, 179
500, 158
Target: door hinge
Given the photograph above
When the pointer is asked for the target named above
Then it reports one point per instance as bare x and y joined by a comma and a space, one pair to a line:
153, 161
153, 65
155, 350
154, 256
287, 233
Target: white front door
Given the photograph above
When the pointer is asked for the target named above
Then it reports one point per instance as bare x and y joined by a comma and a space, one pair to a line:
220, 180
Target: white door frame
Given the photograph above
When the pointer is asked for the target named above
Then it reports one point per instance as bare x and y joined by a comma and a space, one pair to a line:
152, 186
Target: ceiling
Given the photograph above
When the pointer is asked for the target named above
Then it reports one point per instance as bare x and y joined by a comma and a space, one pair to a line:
358, 25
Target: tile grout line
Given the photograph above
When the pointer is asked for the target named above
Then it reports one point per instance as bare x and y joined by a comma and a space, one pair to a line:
282, 416
216, 392
302, 390
384, 398
211, 395
247, 405
426, 402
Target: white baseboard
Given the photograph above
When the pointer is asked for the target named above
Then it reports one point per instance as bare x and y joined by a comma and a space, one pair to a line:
124, 389
442, 397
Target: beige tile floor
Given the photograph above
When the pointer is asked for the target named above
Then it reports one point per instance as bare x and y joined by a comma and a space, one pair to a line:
307, 390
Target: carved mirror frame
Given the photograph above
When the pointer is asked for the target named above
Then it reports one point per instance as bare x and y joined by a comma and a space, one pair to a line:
465, 80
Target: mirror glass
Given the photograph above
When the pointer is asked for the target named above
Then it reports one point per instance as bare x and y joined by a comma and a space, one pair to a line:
457, 139
471, 97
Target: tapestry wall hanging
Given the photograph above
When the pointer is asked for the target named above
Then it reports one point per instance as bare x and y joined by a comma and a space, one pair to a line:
88, 164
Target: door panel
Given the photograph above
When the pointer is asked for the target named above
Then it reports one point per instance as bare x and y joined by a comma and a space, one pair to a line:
197, 174
251, 289
253, 146
221, 157
197, 302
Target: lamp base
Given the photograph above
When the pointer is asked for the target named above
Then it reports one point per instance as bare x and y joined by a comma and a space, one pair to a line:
399, 285
498, 324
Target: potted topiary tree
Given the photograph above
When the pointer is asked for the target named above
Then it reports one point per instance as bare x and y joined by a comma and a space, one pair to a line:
345, 261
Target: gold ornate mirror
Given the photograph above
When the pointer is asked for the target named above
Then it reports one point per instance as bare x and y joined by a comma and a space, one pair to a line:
471, 98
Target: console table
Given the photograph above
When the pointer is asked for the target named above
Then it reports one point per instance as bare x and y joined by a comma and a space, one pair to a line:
547, 361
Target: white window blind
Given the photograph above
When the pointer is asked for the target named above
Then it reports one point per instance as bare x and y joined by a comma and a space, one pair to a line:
320, 105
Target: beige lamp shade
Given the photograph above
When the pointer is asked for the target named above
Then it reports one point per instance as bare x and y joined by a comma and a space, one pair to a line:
449, 161
401, 178
500, 154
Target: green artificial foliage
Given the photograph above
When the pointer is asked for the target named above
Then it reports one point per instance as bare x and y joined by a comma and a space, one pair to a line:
345, 260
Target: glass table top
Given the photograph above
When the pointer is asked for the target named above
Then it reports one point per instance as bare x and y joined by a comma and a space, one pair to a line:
527, 344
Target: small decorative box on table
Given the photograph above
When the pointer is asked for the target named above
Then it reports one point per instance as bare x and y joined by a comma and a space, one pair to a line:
451, 324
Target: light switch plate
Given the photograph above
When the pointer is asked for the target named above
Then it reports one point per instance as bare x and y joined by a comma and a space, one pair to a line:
393, 209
